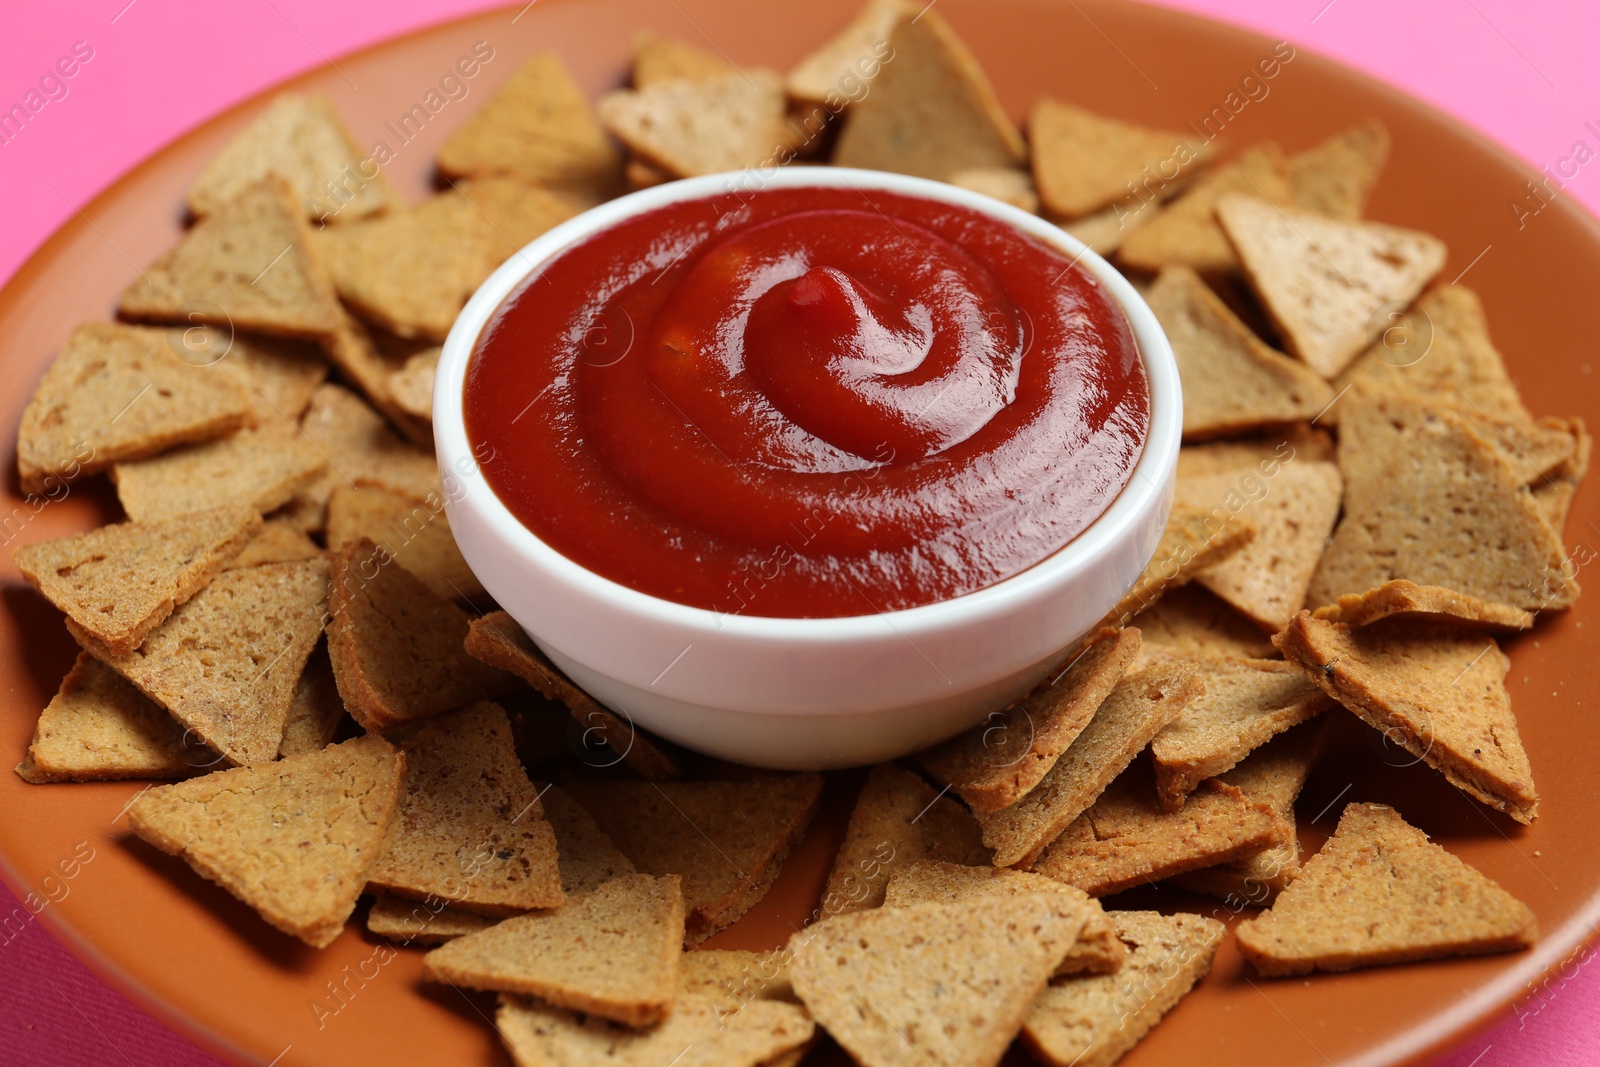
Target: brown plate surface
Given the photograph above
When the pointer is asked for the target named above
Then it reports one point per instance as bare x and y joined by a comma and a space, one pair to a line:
206, 963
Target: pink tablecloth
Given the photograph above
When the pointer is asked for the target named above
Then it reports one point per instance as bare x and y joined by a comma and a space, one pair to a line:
1524, 72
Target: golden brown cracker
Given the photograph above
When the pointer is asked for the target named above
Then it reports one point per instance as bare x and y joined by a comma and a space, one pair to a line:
1336, 177
611, 952
292, 839
1402, 599
1380, 892
1185, 231
119, 582
688, 128
415, 534
258, 469
1084, 162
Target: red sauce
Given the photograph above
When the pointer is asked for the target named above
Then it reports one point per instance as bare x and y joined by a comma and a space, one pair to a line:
808, 402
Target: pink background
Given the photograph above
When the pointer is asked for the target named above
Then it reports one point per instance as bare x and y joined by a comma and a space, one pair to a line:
1522, 72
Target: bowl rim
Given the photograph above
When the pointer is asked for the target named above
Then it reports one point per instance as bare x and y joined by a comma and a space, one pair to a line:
1149, 479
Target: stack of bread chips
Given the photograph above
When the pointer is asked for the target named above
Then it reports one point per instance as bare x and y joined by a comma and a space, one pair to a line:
284, 627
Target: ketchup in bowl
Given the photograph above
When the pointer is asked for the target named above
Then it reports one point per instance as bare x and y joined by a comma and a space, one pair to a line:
807, 402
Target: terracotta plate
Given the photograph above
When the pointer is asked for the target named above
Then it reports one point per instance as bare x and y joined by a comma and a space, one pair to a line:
211, 967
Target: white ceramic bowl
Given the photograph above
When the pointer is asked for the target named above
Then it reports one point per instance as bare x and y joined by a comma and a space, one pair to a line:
805, 693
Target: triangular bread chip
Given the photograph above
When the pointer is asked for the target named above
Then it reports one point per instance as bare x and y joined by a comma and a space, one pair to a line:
1273, 776
663, 59
411, 385
1555, 493
1266, 453
1186, 230
470, 829
1199, 532
1328, 283
226, 662
728, 839
371, 369
1093, 1021
1127, 839
997, 762
1108, 230
292, 839
499, 641
538, 127
119, 393
1532, 448
397, 646
1231, 381
417, 535
361, 450
1137, 709
278, 541
1401, 599
303, 141
99, 727
279, 374
1267, 578
422, 922
1194, 621
700, 127
761, 1035
945, 985
1084, 162
259, 469
1429, 499
1443, 350
316, 713
1010, 185
1381, 892
588, 858
1438, 693
1336, 177
1246, 704
120, 582
249, 265
850, 58
735, 978
898, 818
931, 110
1097, 951
612, 952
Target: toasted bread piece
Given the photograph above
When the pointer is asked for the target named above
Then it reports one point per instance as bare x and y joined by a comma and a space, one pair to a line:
1194, 621
844, 67
1137, 709
278, 541
1232, 382
1128, 839
226, 662
416, 534
1402, 599
1428, 498
248, 265
1084, 162
1272, 775
361, 450
119, 582
898, 818
302, 140
292, 839
940, 984
1097, 951
258, 469
1439, 693
587, 857
397, 646
538, 127
316, 713
470, 829
99, 727
1186, 231
1328, 283
1245, 705
611, 952
687, 128
1092, 1021
118, 393
997, 763
422, 922
931, 111
765, 1034
727, 839
1381, 892
1336, 177
497, 640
